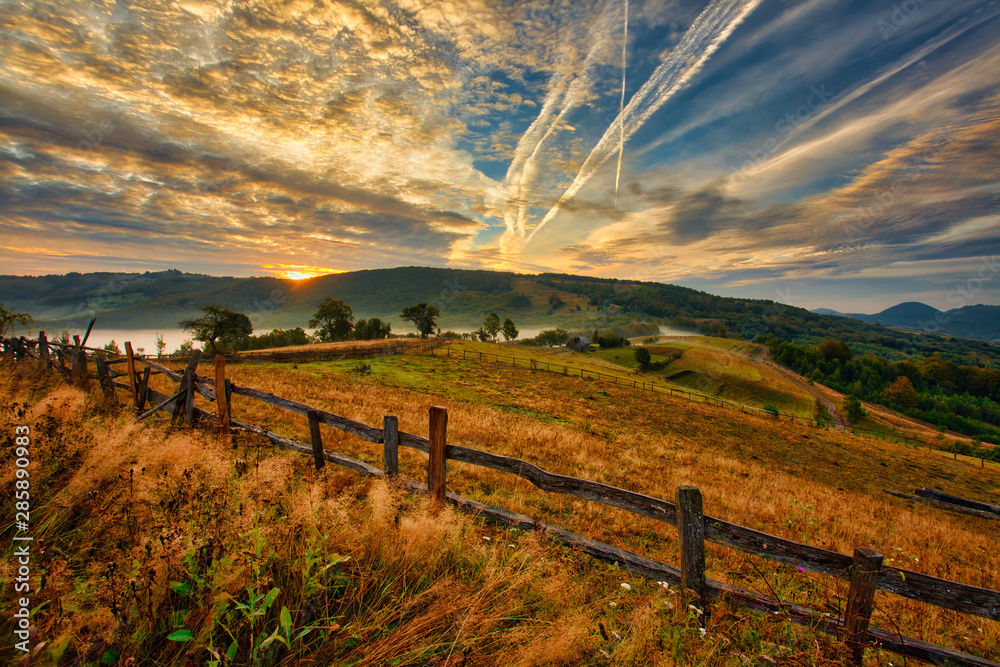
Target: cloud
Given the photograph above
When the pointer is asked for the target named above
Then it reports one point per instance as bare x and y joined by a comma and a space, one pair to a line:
349, 135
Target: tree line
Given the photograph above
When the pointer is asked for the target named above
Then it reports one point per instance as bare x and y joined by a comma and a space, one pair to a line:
962, 398
224, 329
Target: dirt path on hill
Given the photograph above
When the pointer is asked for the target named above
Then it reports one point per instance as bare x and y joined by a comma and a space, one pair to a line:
798, 380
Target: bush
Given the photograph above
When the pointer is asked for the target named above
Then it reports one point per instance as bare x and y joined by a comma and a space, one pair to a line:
643, 357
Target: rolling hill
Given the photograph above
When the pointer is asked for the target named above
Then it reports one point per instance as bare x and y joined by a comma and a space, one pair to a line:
465, 297
980, 322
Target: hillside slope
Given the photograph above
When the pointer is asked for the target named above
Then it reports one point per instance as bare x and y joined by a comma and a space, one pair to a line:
425, 589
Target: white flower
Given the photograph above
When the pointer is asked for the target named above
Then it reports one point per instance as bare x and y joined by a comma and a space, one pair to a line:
486, 539
626, 587
702, 631
612, 604
695, 609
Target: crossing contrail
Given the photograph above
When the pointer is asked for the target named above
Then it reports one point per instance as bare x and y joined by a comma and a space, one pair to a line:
705, 36
566, 92
621, 104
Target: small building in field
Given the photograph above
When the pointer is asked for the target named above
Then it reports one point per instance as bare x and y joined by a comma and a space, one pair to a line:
579, 344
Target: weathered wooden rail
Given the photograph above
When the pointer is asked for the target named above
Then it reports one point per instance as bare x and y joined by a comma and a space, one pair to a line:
647, 385
864, 570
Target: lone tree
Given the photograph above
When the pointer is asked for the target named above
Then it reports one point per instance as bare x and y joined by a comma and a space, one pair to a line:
552, 337
10, 319
218, 323
491, 325
853, 410
831, 349
424, 317
333, 320
902, 392
371, 329
508, 330
643, 357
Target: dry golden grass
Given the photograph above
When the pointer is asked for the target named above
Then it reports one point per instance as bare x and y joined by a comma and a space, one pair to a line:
431, 586
817, 486
344, 345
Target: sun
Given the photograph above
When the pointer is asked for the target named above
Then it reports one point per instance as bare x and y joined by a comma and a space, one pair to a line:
298, 271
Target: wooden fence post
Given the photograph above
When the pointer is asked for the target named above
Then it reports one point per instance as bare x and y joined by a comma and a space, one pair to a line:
107, 386
221, 397
436, 462
43, 348
316, 437
181, 399
142, 391
75, 366
189, 397
691, 527
131, 373
861, 599
390, 445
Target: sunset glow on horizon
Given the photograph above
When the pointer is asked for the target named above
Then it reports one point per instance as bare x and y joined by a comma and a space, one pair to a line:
298, 272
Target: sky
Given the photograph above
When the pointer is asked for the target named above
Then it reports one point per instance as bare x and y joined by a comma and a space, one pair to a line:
821, 153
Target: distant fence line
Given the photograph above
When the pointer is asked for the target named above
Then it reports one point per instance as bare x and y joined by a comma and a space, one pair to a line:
432, 347
692, 396
865, 569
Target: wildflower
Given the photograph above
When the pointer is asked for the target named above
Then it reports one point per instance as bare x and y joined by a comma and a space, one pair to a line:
800, 569
702, 631
612, 604
626, 587
486, 539
695, 609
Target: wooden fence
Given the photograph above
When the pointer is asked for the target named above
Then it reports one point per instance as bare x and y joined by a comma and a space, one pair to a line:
864, 570
331, 354
641, 383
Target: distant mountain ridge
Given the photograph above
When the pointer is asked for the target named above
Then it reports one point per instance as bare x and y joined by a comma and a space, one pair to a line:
979, 322
582, 304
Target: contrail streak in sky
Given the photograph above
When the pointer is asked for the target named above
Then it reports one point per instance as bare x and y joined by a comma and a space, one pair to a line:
705, 36
568, 90
621, 105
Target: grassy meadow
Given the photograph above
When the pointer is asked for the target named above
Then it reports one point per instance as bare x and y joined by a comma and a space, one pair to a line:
174, 546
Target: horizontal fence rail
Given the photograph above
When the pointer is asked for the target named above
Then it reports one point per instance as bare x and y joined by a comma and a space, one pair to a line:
920, 587
645, 385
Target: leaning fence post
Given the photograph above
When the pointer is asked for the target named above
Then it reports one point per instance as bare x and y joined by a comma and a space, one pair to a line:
861, 599
436, 461
317, 439
221, 401
43, 347
390, 445
691, 526
131, 373
107, 386
75, 367
142, 392
189, 397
